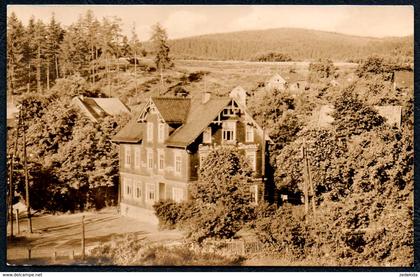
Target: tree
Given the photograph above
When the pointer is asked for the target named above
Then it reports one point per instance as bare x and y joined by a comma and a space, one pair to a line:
352, 116
221, 200
323, 69
374, 66
54, 38
135, 49
161, 49
15, 54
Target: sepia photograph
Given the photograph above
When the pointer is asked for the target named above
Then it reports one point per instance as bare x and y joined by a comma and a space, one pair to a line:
210, 135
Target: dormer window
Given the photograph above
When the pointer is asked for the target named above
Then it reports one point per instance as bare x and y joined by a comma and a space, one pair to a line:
249, 133
207, 135
149, 131
229, 131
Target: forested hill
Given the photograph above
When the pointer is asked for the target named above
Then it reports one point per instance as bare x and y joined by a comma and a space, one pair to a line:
299, 44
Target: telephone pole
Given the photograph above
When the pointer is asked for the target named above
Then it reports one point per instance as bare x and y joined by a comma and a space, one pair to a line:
25, 164
308, 186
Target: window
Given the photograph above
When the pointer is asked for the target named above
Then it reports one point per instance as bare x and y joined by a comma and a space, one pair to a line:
149, 159
150, 192
149, 131
251, 157
128, 187
178, 164
249, 133
229, 131
178, 194
127, 154
138, 190
161, 132
137, 158
207, 135
161, 160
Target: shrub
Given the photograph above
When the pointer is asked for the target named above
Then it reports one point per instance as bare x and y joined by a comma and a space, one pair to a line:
132, 251
168, 213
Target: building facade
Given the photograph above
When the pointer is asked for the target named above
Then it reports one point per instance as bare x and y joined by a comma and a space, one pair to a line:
162, 148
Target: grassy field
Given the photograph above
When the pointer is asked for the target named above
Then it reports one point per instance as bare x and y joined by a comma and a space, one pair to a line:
62, 234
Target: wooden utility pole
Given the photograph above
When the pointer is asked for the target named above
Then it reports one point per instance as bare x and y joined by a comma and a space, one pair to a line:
48, 74
11, 186
83, 237
25, 164
308, 186
38, 71
161, 80
135, 71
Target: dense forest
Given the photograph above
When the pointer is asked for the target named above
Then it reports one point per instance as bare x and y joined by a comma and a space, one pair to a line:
362, 168
299, 44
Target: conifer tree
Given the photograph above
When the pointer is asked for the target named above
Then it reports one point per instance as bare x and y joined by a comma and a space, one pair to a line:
161, 49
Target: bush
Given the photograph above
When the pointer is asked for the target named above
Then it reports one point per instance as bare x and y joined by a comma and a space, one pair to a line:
132, 251
168, 213
272, 57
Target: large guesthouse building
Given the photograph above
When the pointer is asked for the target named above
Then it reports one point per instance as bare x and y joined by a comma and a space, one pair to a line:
162, 148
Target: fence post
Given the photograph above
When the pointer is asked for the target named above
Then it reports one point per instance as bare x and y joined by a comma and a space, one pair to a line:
72, 255
55, 256
29, 253
83, 237
17, 221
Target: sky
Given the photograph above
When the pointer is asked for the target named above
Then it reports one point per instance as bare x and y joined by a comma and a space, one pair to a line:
183, 20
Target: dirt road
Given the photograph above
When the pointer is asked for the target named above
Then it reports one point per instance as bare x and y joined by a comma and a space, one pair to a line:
62, 234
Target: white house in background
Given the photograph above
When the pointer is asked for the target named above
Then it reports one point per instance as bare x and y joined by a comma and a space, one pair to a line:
276, 82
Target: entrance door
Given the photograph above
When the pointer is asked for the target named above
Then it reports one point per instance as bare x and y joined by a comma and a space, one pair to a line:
162, 191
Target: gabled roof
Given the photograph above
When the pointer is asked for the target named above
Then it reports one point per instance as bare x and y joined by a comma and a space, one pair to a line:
172, 109
132, 132
277, 78
96, 108
199, 117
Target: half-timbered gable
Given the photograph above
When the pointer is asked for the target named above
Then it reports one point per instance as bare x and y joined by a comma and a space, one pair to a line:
161, 149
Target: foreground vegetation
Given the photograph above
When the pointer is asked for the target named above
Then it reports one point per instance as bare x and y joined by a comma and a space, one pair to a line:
362, 168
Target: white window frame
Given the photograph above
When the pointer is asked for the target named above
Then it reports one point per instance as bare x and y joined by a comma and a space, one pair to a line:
161, 132
178, 158
137, 157
207, 135
253, 162
161, 159
149, 159
249, 133
229, 126
150, 131
150, 188
178, 194
127, 156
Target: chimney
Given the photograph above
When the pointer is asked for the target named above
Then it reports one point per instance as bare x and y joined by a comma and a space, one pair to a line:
205, 97
239, 94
